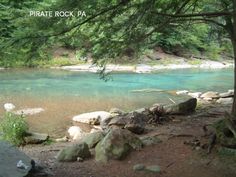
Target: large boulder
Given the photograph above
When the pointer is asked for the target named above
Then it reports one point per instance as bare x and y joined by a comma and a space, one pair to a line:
71, 153
92, 139
13, 162
93, 118
35, 138
185, 107
116, 145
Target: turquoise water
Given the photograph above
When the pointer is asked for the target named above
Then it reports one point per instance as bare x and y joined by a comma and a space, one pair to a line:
44, 83
64, 94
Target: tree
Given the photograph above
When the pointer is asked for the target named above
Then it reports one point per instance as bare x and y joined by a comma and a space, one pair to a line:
113, 27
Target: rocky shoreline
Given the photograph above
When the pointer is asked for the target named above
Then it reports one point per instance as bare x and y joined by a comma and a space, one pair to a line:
145, 68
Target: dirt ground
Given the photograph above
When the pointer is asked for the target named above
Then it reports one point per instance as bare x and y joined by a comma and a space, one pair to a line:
174, 155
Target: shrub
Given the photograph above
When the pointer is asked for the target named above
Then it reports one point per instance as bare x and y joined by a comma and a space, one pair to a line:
14, 128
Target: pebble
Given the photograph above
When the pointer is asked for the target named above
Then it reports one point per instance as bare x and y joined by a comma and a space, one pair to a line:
138, 167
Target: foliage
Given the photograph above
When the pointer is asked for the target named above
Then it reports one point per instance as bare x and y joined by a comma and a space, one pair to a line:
13, 128
111, 29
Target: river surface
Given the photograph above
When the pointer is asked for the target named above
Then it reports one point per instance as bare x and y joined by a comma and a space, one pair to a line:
64, 94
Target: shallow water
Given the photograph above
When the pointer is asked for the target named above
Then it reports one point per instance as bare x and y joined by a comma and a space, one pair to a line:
64, 94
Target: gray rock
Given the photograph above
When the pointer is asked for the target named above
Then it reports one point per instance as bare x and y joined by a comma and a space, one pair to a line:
210, 95
153, 168
132, 121
29, 111
116, 145
92, 139
226, 94
94, 118
73, 152
185, 107
35, 138
135, 128
120, 121
116, 111
9, 158
75, 132
225, 100
143, 111
139, 167
182, 92
150, 140
195, 94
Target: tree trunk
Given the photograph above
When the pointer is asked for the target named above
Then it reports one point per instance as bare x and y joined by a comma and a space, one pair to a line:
233, 39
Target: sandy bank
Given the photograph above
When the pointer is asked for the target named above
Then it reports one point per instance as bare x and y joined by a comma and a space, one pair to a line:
144, 68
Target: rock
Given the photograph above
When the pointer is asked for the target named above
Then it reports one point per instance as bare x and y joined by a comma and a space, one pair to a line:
207, 99
150, 140
136, 122
135, 128
92, 139
132, 121
93, 118
75, 132
231, 91
182, 92
226, 94
116, 145
139, 167
29, 111
185, 107
116, 111
10, 157
225, 100
94, 130
210, 95
143, 111
153, 168
195, 94
105, 122
119, 121
63, 139
9, 107
35, 138
72, 153
143, 68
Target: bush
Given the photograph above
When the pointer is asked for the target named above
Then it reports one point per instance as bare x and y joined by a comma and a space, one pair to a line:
13, 127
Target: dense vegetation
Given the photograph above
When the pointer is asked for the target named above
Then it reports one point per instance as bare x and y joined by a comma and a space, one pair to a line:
111, 29
14, 128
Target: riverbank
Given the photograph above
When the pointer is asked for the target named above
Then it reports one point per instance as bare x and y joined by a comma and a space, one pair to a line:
181, 152
148, 68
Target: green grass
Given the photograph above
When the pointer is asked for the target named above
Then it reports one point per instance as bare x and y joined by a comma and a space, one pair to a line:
13, 128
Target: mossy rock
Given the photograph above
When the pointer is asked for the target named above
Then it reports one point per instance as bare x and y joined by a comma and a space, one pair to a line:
224, 136
93, 138
71, 153
116, 145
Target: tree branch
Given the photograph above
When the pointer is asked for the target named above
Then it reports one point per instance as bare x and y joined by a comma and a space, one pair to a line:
206, 14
